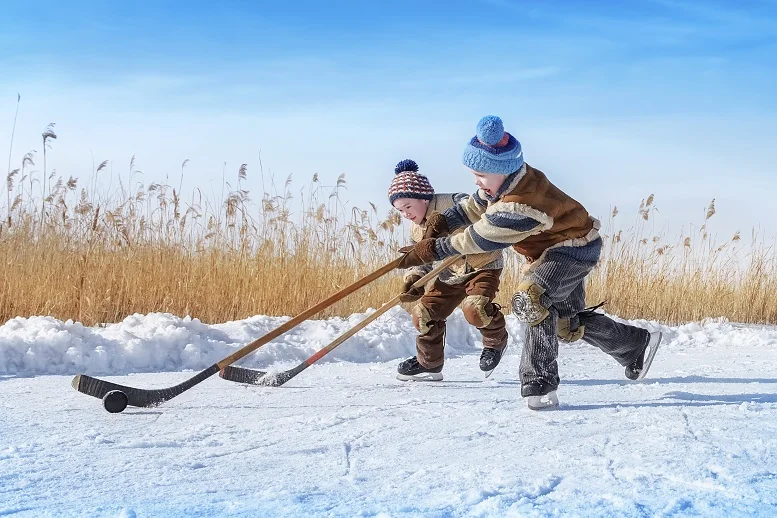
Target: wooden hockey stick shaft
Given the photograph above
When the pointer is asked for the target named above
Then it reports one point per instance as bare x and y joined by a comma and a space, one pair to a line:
261, 378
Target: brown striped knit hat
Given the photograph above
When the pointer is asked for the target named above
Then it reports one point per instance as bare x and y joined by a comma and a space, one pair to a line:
409, 183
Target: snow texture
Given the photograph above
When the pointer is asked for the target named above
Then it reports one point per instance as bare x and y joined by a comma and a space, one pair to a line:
163, 342
697, 438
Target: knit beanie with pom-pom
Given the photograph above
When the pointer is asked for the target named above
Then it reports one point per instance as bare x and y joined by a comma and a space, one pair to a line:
409, 183
493, 150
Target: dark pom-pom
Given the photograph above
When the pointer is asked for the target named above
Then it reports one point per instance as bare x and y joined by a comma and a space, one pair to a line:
406, 165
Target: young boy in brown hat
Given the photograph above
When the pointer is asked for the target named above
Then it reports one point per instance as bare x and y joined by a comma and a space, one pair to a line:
472, 282
517, 206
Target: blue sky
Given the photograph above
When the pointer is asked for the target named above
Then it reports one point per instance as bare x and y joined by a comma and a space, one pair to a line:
614, 102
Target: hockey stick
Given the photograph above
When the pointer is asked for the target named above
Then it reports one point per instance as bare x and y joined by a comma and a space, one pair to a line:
253, 377
116, 397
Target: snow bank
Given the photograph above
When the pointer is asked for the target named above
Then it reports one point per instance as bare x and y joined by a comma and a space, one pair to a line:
163, 342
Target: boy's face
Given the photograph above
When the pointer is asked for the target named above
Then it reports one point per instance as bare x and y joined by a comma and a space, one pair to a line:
412, 208
489, 182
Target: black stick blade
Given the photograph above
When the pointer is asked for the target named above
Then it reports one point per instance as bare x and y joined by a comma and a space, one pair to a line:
99, 388
138, 397
241, 375
252, 377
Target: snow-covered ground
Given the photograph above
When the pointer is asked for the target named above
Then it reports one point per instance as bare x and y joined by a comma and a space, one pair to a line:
697, 438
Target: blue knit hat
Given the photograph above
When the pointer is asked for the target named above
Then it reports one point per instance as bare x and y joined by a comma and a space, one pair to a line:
409, 183
493, 150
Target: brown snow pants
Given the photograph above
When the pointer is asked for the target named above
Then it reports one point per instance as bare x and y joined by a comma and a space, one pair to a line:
477, 295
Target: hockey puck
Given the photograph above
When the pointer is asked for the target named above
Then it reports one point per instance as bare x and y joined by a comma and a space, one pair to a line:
115, 401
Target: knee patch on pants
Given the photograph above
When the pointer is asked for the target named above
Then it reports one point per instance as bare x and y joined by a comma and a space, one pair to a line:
479, 310
526, 303
421, 318
565, 334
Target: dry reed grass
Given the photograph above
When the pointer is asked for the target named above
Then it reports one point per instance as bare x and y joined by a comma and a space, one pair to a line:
691, 278
78, 253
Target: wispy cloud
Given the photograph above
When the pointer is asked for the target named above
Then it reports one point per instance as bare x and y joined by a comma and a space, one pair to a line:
748, 16
450, 78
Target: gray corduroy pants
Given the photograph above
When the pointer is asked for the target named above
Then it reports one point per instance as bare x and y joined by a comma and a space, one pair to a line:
562, 274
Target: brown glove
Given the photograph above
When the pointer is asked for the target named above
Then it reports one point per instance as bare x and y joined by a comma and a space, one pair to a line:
436, 226
410, 294
421, 253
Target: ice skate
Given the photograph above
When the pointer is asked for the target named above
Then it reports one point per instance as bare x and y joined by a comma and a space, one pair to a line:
411, 370
539, 395
638, 369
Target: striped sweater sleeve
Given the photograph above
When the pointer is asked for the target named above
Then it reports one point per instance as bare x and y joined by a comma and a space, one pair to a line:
467, 210
502, 225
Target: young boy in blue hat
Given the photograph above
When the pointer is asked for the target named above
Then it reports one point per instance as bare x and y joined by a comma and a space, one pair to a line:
517, 206
472, 282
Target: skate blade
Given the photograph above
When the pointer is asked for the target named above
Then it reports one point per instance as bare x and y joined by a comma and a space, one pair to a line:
424, 376
547, 402
649, 360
